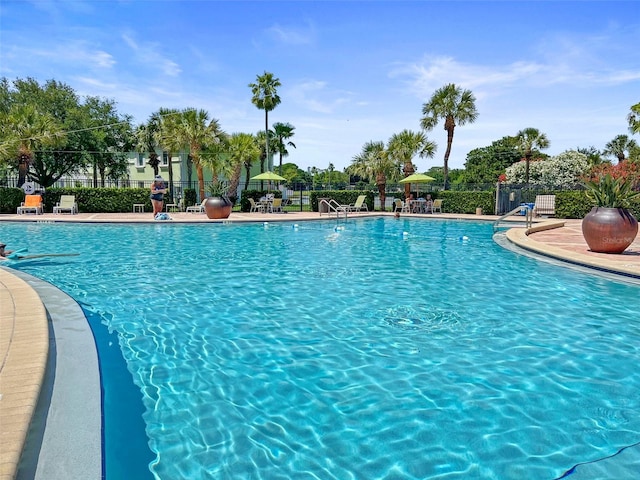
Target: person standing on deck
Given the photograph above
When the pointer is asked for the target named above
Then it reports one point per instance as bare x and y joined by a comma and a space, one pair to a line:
158, 190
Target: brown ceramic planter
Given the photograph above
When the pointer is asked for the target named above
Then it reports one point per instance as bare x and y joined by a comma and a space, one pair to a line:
218, 207
609, 230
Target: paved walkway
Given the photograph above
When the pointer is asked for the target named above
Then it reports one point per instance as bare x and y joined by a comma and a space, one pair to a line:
24, 334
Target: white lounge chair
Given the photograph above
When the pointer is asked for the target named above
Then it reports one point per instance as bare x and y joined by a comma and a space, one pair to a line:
67, 203
437, 205
197, 208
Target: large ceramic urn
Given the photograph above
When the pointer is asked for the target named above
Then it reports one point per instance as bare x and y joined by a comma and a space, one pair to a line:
218, 207
609, 230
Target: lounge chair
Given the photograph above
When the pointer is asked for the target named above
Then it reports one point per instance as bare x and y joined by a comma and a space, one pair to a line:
197, 208
545, 205
255, 207
67, 203
31, 204
437, 206
360, 205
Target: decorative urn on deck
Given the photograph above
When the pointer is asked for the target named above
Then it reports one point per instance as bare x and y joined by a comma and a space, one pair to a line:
218, 204
610, 227
609, 230
218, 207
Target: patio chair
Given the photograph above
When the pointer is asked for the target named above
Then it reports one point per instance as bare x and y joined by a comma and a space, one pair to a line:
437, 206
276, 206
545, 205
31, 204
67, 203
400, 206
255, 207
197, 208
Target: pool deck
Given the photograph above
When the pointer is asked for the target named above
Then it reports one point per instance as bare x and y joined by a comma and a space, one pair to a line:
33, 315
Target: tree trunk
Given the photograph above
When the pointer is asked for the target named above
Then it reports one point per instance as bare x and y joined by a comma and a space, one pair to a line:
449, 126
381, 181
408, 170
247, 169
23, 168
170, 165
190, 171
200, 179
266, 133
235, 181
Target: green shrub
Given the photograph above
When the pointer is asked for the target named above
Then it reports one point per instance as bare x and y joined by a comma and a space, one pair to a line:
10, 199
190, 197
100, 200
466, 202
343, 197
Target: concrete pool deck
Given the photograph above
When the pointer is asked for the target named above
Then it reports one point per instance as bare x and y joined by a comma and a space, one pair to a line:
42, 329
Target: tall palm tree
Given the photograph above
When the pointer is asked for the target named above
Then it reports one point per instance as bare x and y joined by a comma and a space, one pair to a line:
25, 130
619, 146
283, 132
265, 97
453, 105
634, 118
196, 132
167, 138
527, 141
403, 146
373, 162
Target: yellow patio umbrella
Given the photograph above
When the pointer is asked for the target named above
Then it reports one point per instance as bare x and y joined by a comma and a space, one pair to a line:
268, 176
417, 178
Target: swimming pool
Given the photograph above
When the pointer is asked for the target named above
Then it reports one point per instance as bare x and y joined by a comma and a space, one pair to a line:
387, 349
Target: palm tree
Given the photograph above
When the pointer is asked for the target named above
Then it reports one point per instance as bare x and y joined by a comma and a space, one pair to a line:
283, 132
167, 138
25, 130
197, 133
265, 97
454, 106
618, 146
527, 140
146, 140
634, 118
243, 150
403, 146
373, 162
261, 138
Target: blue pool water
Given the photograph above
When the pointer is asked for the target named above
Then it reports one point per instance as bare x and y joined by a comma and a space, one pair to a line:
389, 349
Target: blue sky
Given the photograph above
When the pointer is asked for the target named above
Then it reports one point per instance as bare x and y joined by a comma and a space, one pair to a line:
351, 71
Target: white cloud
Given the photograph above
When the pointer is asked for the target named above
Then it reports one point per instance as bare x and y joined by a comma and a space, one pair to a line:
316, 97
431, 73
148, 54
71, 55
290, 35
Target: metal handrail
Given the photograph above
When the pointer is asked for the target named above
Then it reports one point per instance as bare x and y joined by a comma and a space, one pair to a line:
528, 217
332, 206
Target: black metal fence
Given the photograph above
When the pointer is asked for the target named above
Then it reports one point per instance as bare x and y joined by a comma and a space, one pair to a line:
297, 196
